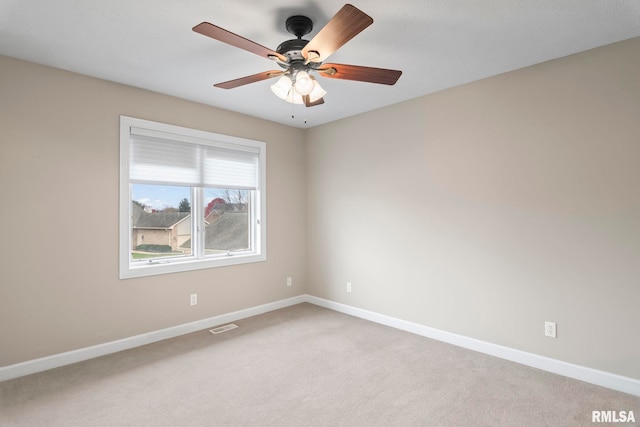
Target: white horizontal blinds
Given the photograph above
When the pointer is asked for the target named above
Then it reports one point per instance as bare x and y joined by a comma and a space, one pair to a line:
230, 169
156, 161
164, 158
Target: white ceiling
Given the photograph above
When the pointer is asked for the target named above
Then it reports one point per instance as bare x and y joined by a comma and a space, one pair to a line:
436, 43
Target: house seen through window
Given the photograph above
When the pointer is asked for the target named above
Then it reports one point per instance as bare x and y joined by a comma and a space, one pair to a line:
162, 221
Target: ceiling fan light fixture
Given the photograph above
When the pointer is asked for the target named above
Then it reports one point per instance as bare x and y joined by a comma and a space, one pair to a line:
304, 84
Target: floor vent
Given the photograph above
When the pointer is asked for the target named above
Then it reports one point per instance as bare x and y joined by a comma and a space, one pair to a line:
225, 328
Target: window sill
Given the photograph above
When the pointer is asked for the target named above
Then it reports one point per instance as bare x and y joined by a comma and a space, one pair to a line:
156, 268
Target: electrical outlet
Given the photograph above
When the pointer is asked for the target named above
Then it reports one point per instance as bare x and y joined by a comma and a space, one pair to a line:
348, 286
550, 329
194, 299
289, 281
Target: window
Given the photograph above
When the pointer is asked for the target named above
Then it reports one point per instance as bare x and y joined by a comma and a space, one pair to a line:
189, 199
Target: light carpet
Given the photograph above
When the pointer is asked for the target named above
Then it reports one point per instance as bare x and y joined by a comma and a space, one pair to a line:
302, 366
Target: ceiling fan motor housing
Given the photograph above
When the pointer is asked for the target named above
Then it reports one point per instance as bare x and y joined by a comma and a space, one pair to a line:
292, 49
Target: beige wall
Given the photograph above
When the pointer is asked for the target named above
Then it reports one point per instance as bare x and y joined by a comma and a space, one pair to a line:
486, 209
59, 183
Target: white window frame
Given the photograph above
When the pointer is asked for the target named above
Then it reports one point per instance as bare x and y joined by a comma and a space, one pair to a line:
197, 261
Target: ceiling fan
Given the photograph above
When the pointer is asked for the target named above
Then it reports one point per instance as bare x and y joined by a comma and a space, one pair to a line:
299, 58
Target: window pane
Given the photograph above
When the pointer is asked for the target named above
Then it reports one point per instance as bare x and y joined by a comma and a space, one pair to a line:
161, 222
227, 220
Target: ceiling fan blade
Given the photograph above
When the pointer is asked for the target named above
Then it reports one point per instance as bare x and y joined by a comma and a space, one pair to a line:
345, 25
220, 34
308, 103
249, 79
359, 73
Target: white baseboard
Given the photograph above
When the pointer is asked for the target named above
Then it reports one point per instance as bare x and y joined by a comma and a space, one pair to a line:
589, 375
69, 357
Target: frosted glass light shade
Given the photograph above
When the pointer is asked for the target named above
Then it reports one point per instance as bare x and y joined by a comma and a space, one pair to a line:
317, 92
283, 89
304, 83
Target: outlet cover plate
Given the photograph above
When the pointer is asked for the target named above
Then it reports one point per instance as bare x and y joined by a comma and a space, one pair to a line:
550, 329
